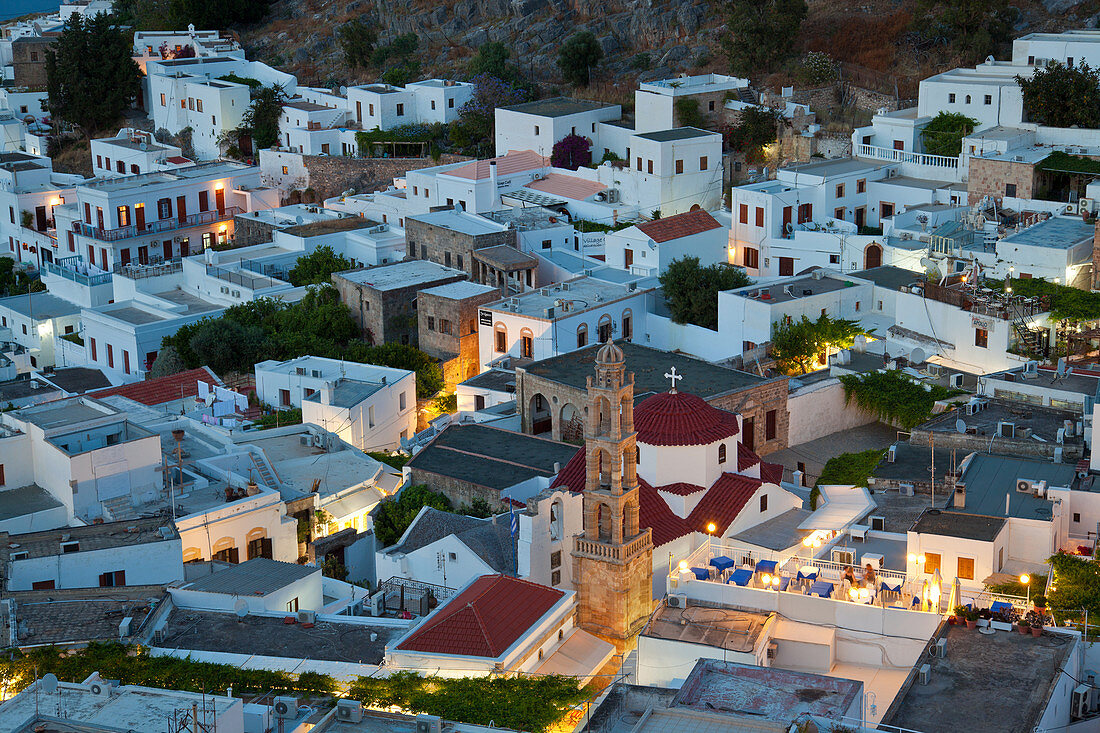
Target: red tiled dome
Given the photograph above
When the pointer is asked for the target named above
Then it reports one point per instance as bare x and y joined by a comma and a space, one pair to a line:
681, 418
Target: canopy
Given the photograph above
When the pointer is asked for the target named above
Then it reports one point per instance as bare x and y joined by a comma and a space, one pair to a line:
843, 506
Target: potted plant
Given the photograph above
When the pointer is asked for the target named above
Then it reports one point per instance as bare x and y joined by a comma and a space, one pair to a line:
1003, 620
960, 615
1034, 620
984, 617
1040, 603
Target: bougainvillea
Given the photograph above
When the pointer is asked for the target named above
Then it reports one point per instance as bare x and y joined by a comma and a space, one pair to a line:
572, 152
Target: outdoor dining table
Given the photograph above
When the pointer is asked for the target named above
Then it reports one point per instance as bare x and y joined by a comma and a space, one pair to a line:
766, 566
741, 576
822, 589
701, 573
807, 572
721, 562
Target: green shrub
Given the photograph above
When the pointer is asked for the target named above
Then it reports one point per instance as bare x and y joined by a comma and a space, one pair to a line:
893, 397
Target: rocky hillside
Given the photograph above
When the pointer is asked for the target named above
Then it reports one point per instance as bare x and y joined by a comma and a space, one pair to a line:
641, 38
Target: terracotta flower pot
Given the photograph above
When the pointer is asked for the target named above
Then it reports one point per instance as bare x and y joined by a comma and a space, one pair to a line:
971, 624
1024, 630
1036, 631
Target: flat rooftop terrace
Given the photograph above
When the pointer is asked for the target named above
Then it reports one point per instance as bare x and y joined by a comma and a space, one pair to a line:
723, 628
985, 684
1059, 232
223, 632
788, 290
80, 614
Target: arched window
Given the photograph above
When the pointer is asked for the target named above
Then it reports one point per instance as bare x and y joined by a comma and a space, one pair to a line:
968, 99
500, 338
555, 520
628, 324
526, 343
605, 329
582, 335
722, 453
561, 634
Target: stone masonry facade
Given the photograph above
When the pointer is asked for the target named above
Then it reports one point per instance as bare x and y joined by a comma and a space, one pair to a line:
996, 177
753, 403
449, 247
29, 64
385, 315
447, 330
329, 175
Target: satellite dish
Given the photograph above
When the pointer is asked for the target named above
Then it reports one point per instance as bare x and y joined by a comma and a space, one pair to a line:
299, 220
960, 426
49, 683
343, 91
917, 356
240, 608
143, 147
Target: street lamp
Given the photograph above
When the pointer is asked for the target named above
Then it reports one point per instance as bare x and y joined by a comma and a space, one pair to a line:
1026, 580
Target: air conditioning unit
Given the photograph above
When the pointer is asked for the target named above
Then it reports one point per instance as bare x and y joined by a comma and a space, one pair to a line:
1031, 486
378, 604
1080, 703
349, 711
843, 557
1085, 205
940, 649
1006, 429
878, 524
159, 635
934, 369
676, 600
101, 688
285, 708
956, 381
304, 440
924, 676
612, 195
892, 453
307, 617
429, 724
907, 490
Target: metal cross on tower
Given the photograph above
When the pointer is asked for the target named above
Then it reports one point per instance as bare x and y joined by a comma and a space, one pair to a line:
671, 374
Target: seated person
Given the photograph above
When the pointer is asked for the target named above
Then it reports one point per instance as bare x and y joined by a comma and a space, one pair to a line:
869, 575
850, 576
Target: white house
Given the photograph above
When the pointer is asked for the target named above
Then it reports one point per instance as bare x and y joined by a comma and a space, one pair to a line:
384, 106
650, 247
655, 101
30, 192
371, 407
134, 151
549, 321
37, 321
136, 552
538, 125
264, 585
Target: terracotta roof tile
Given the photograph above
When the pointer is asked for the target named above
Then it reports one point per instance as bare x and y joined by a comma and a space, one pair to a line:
516, 161
569, 187
485, 619
154, 392
681, 225
681, 418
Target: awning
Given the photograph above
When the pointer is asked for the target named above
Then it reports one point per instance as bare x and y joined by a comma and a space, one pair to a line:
353, 504
843, 506
581, 656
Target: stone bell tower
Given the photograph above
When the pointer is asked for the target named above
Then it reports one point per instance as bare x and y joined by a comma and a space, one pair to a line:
613, 558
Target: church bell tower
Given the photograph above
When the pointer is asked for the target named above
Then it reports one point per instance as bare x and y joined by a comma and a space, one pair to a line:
613, 558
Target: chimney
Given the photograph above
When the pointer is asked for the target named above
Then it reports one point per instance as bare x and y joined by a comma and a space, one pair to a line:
326, 393
493, 179
557, 467
949, 482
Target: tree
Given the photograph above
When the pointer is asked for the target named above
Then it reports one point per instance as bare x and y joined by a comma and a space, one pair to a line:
572, 152
168, 362
400, 49
394, 515
760, 34
474, 129
756, 127
691, 291
429, 376
945, 133
577, 57
356, 39
225, 345
975, 28
261, 119
1061, 96
796, 344
491, 58
160, 14
90, 75
317, 267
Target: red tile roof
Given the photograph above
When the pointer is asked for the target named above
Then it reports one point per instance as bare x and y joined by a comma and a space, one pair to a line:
179, 160
154, 392
681, 489
569, 187
516, 161
681, 225
681, 418
485, 619
770, 472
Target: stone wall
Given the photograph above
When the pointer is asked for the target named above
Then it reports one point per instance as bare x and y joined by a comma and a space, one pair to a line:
385, 315
330, 175
1024, 448
450, 247
458, 491
458, 349
248, 231
1096, 255
990, 177
29, 64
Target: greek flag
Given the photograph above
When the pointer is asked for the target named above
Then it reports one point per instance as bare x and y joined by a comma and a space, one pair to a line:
515, 522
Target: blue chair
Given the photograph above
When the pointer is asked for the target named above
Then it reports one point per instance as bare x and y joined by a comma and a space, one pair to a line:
741, 576
783, 583
701, 573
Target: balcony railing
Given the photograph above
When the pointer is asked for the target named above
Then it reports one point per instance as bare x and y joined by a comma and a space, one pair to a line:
65, 267
137, 271
161, 225
598, 549
252, 282
876, 152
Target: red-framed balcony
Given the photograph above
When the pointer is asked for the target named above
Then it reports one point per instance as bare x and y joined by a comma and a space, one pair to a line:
161, 225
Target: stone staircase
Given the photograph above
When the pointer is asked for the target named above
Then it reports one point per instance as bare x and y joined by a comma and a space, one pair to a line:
117, 509
264, 470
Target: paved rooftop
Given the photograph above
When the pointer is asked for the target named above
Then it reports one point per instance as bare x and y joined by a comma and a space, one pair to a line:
460, 290
557, 107
783, 291
679, 133
26, 500
80, 614
1041, 421
889, 276
649, 366
258, 576
723, 628
1058, 232
260, 635
778, 533
64, 413
989, 479
402, 275
40, 306
47, 543
985, 684
497, 380
957, 524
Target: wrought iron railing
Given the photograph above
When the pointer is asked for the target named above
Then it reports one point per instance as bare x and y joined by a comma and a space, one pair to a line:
161, 225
